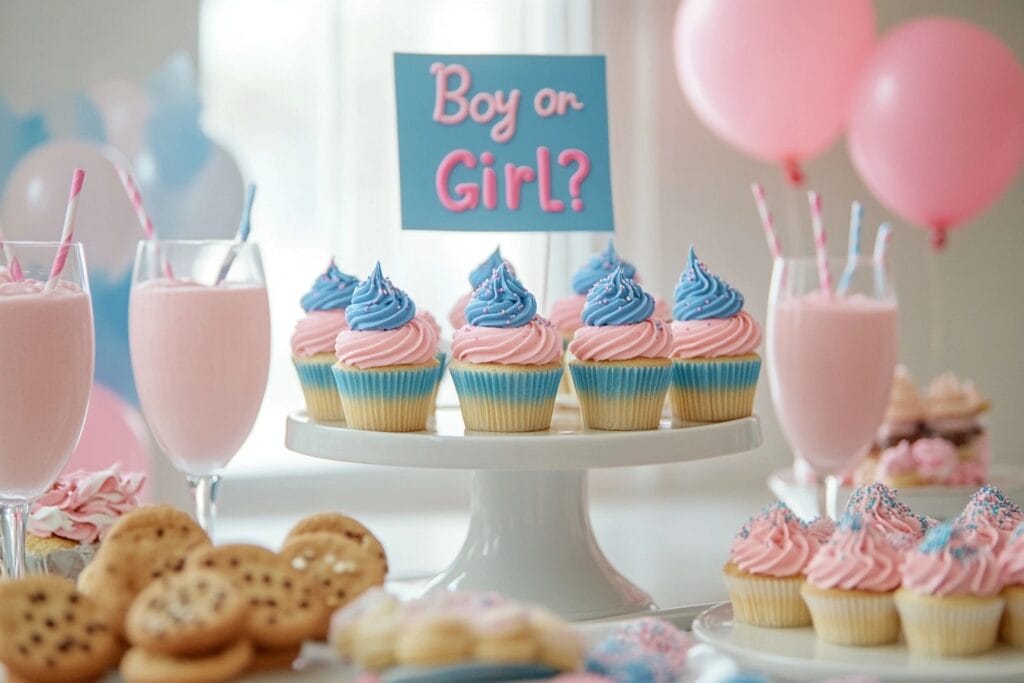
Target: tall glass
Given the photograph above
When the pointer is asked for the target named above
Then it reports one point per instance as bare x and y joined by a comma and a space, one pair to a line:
46, 365
200, 350
831, 361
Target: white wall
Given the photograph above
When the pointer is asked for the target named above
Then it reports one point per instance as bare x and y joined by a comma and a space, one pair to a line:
51, 47
675, 183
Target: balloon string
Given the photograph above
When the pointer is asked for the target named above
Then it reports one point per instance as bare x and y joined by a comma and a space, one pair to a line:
939, 233
794, 174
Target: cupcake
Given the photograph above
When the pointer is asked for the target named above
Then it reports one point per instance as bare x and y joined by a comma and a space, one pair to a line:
766, 566
714, 349
507, 361
457, 316
619, 358
1011, 573
949, 601
567, 313
67, 523
313, 342
878, 504
387, 366
990, 517
850, 585
953, 412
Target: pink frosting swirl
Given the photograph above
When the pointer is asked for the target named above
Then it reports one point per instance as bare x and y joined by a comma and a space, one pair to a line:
858, 556
457, 316
936, 459
316, 332
411, 344
648, 339
896, 461
774, 543
536, 343
716, 337
567, 314
427, 317
948, 563
821, 528
1011, 560
83, 506
878, 504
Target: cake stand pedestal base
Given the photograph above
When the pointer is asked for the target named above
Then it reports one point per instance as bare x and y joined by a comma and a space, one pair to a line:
530, 538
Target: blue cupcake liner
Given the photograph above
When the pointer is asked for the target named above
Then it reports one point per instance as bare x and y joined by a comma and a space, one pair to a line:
513, 386
715, 374
323, 403
316, 373
385, 382
442, 360
612, 380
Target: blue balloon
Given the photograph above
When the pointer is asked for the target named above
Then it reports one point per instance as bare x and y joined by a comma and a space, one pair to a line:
18, 135
175, 143
110, 318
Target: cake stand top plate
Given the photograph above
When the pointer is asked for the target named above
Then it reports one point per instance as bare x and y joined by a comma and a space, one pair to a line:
566, 446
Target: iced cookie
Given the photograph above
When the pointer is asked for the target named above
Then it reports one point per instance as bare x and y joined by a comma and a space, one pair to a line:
191, 613
504, 634
51, 633
143, 666
284, 607
434, 640
560, 646
340, 567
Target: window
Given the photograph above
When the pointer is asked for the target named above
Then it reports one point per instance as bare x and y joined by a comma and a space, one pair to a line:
302, 93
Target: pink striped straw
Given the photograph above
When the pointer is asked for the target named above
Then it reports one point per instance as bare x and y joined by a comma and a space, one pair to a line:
14, 268
131, 189
767, 222
68, 233
820, 251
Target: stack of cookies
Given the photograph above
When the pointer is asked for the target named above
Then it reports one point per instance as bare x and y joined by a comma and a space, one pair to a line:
187, 610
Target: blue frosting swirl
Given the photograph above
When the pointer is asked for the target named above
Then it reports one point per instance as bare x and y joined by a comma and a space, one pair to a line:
701, 295
617, 300
501, 301
332, 291
379, 305
599, 266
485, 269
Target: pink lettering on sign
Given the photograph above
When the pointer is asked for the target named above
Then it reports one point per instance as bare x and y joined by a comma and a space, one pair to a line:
548, 102
482, 107
467, 194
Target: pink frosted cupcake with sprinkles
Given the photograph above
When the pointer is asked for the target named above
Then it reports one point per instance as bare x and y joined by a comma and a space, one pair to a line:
950, 602
850, 585
990, 518
878, 504
765, 571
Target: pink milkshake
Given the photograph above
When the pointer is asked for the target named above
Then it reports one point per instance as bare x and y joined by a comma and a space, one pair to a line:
46, 365
830, 361
200, 355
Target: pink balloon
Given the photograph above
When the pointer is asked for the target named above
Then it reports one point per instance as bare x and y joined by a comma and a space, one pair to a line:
114, 433
773, 77
937, 123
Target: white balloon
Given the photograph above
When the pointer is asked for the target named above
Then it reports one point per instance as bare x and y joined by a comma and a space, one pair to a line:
125, 108
36, 194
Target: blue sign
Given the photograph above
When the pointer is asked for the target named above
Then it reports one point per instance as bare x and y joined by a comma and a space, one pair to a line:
503, 142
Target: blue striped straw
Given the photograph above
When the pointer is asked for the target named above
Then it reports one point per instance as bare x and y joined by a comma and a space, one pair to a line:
882, 239
856, 218
244, 226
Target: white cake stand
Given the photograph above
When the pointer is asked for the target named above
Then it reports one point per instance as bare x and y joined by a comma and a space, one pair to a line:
529, 533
